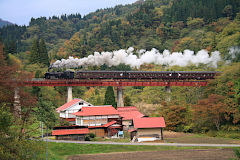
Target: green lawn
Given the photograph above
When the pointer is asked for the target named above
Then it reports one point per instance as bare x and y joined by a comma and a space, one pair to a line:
60, 151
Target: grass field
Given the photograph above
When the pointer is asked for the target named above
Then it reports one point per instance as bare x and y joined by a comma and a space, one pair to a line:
60, 151
180, 137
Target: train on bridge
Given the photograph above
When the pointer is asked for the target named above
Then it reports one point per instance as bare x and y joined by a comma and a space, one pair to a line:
133, 75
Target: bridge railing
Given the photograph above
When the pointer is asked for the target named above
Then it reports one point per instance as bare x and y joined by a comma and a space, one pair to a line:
37, 79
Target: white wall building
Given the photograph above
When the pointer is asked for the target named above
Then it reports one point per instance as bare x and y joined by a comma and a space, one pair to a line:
73, 106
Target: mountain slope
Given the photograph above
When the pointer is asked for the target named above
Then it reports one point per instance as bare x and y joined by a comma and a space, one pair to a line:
160, 24
4, 23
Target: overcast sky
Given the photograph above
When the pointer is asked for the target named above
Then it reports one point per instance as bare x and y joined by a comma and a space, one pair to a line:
21, 11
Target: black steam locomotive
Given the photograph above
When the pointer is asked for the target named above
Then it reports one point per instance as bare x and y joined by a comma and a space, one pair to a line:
164, 75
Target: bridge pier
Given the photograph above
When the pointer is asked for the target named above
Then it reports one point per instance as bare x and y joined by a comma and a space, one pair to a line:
69, 93
120, 97
168, 90
16, 104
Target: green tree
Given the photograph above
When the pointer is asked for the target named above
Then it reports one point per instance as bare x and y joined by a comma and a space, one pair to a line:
45, 112
11, 145
228, 11
195, 22
109, 97
43, 53
127, 101
34, 56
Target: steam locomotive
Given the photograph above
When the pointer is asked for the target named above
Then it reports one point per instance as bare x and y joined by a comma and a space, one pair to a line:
164, 75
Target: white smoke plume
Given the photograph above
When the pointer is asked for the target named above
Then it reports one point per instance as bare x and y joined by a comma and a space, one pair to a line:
144, 57
234, 52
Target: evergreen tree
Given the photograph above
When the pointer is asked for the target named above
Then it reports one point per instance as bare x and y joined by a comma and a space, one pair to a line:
5, 51
43, 53
109, 97
34, 56
127, 101
11, 47
2, 58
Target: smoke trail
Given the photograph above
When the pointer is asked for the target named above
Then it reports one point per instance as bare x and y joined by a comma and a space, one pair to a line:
144, 57
234, 52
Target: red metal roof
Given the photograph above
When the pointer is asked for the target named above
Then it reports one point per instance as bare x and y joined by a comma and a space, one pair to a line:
94, 111
109, 123
129, 113
104, 126
149, 122
69, 131
69, 104
128, 108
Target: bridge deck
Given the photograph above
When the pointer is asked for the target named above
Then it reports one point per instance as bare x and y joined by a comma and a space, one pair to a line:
110, 83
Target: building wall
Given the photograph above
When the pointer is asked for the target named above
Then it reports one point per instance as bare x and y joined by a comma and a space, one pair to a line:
71, 137
99, 132
94, 120
68, 114
79, 105
73, 109
126, 124
148, 131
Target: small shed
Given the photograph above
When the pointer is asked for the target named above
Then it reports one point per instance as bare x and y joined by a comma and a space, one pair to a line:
70, 134
148, 128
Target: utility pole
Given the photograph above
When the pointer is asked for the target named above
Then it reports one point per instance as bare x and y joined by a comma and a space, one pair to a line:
41, 128
47, 144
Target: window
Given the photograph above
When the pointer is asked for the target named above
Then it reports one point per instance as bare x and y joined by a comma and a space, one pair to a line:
79, 121
92, 121
85, 122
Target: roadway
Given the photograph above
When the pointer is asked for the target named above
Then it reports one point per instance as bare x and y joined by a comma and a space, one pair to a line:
147, 144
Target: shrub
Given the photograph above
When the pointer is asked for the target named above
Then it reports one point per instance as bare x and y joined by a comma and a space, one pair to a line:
237, 153
91, 135
212, 133
87, 138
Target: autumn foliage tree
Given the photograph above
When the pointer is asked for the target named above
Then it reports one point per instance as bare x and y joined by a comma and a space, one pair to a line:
209, 112
221, 107
14, 123
6, 73
175, 116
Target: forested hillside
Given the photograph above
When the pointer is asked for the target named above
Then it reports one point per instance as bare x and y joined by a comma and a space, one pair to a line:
162, 24
175, 25
4, 23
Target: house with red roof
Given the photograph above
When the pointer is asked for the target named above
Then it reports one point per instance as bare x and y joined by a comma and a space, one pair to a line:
106, 121
128, 114
101, 120
73, 106
148, 128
